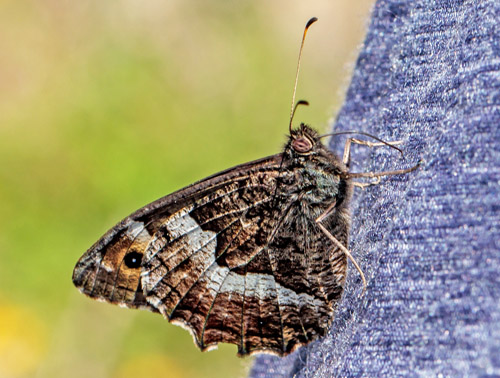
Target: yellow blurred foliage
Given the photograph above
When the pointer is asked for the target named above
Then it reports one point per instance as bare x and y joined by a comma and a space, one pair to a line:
151, 366
23, 341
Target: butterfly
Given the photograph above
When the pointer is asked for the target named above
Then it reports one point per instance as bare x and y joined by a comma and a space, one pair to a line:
254, 256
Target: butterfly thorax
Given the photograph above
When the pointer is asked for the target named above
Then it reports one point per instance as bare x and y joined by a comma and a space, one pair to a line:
313, 175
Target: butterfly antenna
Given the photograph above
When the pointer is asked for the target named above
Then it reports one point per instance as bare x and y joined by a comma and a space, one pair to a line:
300, 102
391, 145
292, 112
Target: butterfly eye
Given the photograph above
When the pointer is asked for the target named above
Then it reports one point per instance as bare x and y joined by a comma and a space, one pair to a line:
133, 260
302, 145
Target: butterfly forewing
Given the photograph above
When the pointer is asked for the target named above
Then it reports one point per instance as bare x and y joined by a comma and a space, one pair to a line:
110, 269
104, 273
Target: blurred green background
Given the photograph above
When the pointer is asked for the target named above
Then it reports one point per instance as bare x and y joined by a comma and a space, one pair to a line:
106, 106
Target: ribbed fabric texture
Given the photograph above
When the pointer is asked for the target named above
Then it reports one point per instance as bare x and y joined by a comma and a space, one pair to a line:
429, 242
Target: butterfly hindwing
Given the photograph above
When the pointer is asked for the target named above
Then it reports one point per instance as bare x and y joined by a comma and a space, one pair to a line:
190, 266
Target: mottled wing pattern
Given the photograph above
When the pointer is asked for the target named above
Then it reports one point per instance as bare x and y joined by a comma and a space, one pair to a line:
190, 266
235, 258
110, 270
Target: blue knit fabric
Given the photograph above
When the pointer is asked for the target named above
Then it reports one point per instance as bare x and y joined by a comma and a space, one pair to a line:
429, 241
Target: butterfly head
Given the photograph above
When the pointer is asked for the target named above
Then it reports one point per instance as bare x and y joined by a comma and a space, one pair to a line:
303, 140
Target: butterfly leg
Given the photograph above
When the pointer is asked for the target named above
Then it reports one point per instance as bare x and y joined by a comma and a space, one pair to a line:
363, 185
347, 148
319, 221
376, 175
